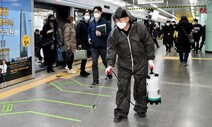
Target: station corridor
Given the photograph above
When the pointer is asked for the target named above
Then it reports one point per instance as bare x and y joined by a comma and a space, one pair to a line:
66, 100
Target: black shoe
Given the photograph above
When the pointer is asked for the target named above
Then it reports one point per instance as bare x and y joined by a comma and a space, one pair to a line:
86, 73
118, 118
52, 70
83, 74
142, 114
48, 71
95, 83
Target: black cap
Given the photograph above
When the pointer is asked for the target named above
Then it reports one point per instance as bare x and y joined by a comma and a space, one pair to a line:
36, 30
121, 13
168, 21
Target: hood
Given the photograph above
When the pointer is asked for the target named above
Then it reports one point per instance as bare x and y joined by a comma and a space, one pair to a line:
120, 13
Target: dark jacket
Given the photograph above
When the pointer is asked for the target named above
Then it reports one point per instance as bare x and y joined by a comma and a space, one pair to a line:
50, 36
168, 32
38, 39
133, 50
183, 44
50, 49
98, 42
82, 34
198, 31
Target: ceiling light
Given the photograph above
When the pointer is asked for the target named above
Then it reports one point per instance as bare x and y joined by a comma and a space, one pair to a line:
155, 6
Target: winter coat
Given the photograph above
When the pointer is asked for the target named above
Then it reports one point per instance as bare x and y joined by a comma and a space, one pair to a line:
37, 40
198, 31
98, 42
133, 50
82, 34
183, 44
50, 49
50, 36
168, 32
69, 36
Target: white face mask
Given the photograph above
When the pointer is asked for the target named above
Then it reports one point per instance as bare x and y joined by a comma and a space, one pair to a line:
167, 24
86, 18
121, 25
173, 24
96, 15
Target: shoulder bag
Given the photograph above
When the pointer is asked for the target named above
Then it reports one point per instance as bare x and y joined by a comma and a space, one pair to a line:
190, 37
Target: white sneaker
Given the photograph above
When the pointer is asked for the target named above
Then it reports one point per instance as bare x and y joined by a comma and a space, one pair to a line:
67, 68
72, 71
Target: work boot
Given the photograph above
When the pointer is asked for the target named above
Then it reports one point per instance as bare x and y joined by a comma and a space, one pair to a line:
142, 114
118, 118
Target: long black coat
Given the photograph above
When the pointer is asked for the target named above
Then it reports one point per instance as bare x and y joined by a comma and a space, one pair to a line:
168, 32
49, 53
183, 44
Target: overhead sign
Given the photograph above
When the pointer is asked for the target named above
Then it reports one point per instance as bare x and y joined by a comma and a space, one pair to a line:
150, 1
202, 10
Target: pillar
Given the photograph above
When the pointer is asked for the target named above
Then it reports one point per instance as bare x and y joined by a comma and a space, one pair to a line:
208, 41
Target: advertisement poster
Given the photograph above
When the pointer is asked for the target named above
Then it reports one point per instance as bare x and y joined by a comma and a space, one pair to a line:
15, 39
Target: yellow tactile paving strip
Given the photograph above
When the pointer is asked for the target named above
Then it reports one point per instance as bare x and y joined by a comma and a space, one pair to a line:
26, 87
177, 58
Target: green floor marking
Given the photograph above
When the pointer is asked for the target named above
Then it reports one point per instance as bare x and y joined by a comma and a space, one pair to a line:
81, 84
101, 67
42, 114
7, 108
46, 100
64, 83
79, 92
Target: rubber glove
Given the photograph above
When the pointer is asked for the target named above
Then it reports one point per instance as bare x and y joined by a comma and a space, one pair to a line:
109, 70
151, 64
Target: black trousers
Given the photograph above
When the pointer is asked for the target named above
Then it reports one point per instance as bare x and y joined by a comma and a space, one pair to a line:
49, 57
95, 55
71, 61
124, 92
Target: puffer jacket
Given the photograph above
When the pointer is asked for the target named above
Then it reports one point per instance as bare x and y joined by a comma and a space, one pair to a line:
69, 36
133, 50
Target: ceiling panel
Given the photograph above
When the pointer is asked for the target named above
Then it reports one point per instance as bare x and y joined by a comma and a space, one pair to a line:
178, 12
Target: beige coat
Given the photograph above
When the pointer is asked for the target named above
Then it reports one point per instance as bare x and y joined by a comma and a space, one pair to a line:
69, 36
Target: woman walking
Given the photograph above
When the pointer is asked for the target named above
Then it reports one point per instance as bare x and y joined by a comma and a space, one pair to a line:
183, 45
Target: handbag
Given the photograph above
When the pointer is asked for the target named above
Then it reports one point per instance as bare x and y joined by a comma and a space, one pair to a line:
190, 37
80, 54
